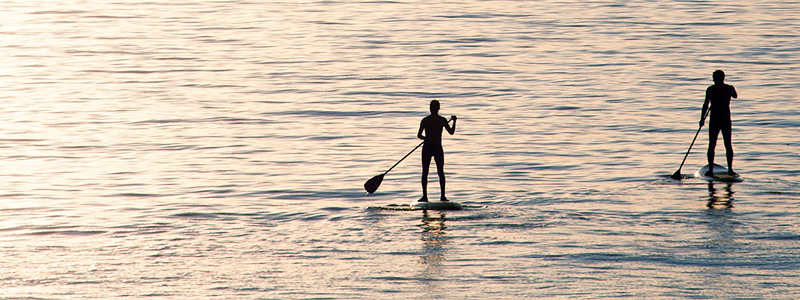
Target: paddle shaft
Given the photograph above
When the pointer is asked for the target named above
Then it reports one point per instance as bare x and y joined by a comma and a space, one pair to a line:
693, 140
690, 148
404, 157
412, 151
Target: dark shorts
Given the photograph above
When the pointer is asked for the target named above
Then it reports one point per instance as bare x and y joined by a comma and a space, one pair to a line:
719, 124
432, 151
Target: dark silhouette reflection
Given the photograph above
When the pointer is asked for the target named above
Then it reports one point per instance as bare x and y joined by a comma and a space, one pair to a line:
434, 242
720, 242
433, 125
720, 200
718, 100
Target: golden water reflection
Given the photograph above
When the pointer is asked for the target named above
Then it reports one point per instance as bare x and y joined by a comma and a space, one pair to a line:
721, 244
720, 200
434, 250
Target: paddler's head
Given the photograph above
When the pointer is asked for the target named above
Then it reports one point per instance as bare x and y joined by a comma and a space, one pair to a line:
435, 107
719, 76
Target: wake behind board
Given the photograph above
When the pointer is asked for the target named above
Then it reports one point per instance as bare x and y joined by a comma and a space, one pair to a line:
720, 174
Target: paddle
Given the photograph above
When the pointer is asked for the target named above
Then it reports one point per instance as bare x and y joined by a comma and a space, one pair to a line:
373, 183
677, 174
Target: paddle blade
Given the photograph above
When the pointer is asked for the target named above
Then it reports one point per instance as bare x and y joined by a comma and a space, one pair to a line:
676, 175
372, 185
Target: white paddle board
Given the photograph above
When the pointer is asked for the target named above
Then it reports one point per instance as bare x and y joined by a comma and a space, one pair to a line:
436, 205
720, 174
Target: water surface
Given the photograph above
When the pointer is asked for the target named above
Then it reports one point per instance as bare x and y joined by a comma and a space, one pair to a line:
217, 149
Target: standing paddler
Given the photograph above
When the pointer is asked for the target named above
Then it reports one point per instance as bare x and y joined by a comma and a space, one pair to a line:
718, 96
432, 146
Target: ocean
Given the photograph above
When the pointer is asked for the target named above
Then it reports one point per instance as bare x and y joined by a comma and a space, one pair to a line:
218, 149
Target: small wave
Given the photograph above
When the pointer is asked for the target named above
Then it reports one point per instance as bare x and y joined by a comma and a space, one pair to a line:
468, 40
340, 113
307, 195
779, 237
526, 225
494, 243
212, 86
565, 107
136, 195
335, 209
59, 12
22, 140
244, 289
425, 95
193, 215
84, 282
155, 71
12, 195
488, 72
67, 232
165, 121
217, 191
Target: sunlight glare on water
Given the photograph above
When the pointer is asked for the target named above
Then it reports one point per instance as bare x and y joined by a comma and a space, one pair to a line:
218, 149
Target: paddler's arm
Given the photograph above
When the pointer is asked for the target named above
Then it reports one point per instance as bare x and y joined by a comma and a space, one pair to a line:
421, 128
705, 107
451, 130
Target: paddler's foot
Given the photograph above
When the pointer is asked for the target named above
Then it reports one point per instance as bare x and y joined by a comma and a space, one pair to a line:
445, 199
732, 173
709, 174
423, 199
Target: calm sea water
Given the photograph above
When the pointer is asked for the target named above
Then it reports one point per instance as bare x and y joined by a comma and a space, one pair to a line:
217, 149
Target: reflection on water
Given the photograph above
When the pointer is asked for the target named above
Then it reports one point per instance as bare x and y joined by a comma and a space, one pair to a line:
434, 250
721, 243
720, 200
217, 149
721, 221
